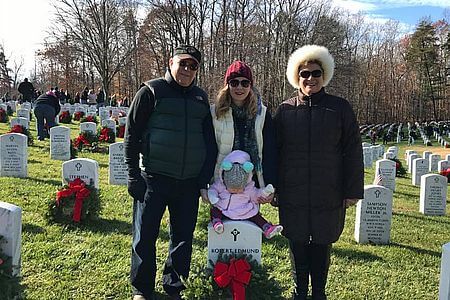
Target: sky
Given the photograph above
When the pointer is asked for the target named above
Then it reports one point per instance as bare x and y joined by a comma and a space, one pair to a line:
25, 23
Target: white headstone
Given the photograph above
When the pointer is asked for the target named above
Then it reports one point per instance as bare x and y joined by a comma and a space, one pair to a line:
111, 124
419, 167
411, 157
19, 121
447, 157
84, 168
11, 230
426, 154
374, 152
103, 113
433, 161
88, 127
433, 194
23, 113
13, 105
374, 215
367, 152
91, 114
365, 144
443, 165
26, 105
393, 149
389, 155
387, 169
4, 107
408, 153
60, 143
13, 155
444, 283
73, 108
122, 121
115, 112
118, 172
238, 237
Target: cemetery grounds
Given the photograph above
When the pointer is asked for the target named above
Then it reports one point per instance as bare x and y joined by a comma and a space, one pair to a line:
92, 261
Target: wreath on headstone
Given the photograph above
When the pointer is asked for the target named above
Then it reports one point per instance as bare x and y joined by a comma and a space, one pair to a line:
3, 116
74, 203
89, 119
400, 171
446, 173
65, 117
23, 130
78, 115
106, 135
9, 283
86, 141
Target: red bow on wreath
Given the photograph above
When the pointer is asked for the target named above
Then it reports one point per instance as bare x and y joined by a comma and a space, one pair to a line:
237, 273
77, 187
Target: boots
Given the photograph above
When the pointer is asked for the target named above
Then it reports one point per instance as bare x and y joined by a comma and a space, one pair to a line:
320, 263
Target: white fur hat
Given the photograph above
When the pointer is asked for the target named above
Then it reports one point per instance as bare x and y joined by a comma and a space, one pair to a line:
306, 54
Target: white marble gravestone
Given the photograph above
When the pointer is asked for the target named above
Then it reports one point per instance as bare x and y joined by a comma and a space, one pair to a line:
419, 167
433, 194
60, 143
365, 144
387, 169
13, 105
393, 149
4, 107
238, 237
443, 165
367, 153
19, 121
88, 127
103, 113
374, 152
447, 157
426, 154
81, 108
374, 216
118, 172
411, 157
111, 124
444, 283
26, 105
11, 230
408, 153
23, 113
433, 161
91, 114
389, 155
122, 121
13, 155
83, 168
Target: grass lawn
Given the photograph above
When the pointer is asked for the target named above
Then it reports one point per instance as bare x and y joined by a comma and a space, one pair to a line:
93, 260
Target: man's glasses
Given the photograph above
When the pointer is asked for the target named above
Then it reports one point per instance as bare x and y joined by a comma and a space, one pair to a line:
307, 74
184, 63
245, 83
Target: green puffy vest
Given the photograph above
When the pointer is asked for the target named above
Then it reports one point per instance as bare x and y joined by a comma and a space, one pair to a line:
174, 139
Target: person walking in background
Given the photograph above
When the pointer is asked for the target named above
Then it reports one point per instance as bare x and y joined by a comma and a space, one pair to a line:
100, 98
242, 122
46, 109
170, 124
320, 167
26, 88
92, 98
77, 98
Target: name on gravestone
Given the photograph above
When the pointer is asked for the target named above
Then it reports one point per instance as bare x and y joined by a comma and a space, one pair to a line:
374, 215
433, 194
238, 237
118, 171
11, 230
13, 155
84, 168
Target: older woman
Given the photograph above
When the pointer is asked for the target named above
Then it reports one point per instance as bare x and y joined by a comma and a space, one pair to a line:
242, 122
320, 167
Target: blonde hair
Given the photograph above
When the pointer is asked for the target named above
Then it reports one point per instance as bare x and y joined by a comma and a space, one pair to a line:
223, 102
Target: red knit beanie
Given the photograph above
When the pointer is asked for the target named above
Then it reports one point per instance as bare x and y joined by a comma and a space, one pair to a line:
238, 69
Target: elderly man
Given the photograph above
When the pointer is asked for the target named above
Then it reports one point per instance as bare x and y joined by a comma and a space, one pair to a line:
170, 125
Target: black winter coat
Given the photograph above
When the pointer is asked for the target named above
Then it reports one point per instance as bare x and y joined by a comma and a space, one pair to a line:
320, 165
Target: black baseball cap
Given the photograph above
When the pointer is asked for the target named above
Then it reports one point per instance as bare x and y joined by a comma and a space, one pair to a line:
186, 52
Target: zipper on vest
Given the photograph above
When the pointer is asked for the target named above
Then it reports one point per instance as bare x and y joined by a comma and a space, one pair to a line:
183, 164
309, 166
229, 202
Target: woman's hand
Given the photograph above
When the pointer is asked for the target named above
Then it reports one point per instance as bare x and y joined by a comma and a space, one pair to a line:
263, 200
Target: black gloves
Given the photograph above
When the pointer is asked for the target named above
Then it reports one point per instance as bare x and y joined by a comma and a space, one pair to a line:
137, 187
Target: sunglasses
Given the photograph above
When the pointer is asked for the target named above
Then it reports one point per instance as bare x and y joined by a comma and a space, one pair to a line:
183, 64
244, 83
307, 74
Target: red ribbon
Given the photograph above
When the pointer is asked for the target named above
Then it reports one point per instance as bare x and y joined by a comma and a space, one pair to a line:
77, 187
17, 129
237, 274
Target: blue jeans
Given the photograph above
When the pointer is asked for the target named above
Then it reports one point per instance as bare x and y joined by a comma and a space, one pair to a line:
44, 112
181, 197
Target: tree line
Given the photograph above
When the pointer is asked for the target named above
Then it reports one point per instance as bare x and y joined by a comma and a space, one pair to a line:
118, 44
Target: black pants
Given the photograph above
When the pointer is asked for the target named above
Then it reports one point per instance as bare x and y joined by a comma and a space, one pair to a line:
181, 197
310, 260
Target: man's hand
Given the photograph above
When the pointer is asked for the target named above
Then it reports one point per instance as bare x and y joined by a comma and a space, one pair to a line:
263, 200
137, 188
204, 195
350, 202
